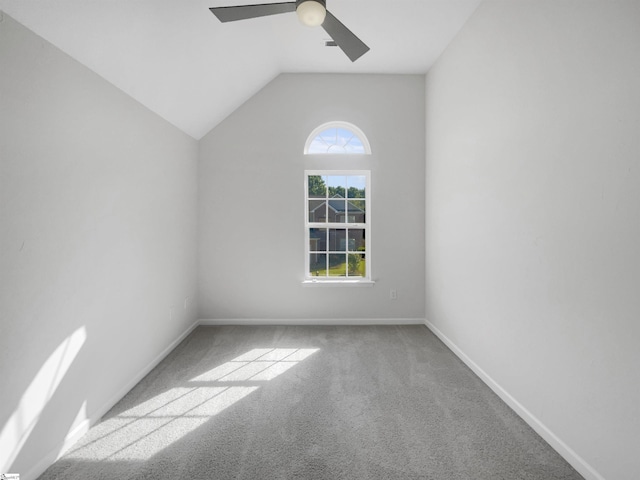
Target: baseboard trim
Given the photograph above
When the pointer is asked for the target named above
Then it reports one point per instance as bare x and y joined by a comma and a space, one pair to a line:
562, 448
92, 418
311, 321
575, 460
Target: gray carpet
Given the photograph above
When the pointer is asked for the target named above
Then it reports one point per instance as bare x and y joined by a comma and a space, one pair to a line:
370, 402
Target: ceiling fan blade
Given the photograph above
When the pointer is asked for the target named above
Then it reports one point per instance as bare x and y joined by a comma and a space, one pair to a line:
351, 45
242, 12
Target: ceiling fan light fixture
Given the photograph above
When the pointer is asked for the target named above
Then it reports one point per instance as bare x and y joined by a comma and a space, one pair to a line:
311, 12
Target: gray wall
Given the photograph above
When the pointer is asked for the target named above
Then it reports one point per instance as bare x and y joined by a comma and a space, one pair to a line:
97, 232
251, 264
533, 215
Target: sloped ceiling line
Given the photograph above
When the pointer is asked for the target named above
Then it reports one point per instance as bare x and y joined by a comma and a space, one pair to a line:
178, 60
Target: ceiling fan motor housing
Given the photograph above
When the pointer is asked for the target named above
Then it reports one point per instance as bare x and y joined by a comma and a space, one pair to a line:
311, 12
321, 2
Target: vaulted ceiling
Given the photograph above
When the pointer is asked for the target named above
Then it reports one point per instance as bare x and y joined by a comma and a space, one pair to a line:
178, 60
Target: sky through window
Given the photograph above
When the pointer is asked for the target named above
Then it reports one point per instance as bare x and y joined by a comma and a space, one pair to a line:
337, 138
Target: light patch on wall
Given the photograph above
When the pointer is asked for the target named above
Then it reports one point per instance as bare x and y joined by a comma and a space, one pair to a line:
36, 397
147, 428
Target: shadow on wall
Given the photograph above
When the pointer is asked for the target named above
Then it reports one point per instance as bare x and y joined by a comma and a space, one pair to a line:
35, 404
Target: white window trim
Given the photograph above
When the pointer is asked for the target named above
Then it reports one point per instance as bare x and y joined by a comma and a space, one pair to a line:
365, 281
338, 124
338, 283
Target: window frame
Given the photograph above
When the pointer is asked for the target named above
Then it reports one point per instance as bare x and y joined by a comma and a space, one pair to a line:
338, 124
365, 280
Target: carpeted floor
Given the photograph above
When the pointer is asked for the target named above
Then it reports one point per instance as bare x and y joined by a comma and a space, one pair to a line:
330, 402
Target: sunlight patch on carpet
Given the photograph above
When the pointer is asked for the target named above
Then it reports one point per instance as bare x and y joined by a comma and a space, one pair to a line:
147, 428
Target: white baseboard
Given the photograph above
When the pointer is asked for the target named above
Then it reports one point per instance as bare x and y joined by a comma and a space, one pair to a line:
92, 418
563, 449
575, 460
312, 321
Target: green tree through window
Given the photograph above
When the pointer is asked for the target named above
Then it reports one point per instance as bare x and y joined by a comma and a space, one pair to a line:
337, 224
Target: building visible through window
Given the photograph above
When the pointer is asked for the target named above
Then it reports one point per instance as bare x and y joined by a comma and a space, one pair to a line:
337, 224
337, 206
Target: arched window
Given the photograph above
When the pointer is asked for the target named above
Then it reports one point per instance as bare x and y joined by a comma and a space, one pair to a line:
337, 138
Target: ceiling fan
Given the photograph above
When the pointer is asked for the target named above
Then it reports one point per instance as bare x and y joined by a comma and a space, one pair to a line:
310, 12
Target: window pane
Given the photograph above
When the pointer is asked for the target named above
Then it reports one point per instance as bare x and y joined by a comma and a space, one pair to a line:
357, 265
318, 146
344, 136
337, 265
337, 240
337, 212
356, 186
329, 136
317, 239
317, 186
357, 240
356, 211
336, 140
341, 241
354, 146
318, 264
338, 248
317, 211
337, 186
336, 149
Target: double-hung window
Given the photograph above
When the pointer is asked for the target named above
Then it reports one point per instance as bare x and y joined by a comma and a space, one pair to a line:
337, 232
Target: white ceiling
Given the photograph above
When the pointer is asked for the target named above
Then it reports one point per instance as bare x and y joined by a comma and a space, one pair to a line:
178, 60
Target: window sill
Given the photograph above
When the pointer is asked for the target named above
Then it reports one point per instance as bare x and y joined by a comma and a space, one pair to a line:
338, 283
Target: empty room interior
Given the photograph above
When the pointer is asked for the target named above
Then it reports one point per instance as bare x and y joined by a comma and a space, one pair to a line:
399, 242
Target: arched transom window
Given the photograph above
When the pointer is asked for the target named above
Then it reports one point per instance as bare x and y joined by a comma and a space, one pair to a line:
337, 138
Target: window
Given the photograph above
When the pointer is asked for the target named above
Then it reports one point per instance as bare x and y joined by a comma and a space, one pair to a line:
337, 226
337, 138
